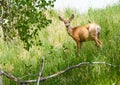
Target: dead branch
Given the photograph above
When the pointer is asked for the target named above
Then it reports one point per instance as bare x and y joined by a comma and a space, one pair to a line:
40, 73
8, 75
40, 79
67, 69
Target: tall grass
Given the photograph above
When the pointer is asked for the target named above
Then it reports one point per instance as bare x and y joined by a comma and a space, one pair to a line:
59, 51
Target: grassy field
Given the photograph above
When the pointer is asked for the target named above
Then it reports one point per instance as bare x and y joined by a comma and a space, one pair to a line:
59, 51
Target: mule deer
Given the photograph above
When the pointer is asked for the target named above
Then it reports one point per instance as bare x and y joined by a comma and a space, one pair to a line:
80, 34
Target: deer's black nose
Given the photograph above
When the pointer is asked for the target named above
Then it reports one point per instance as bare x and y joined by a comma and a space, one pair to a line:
67, 25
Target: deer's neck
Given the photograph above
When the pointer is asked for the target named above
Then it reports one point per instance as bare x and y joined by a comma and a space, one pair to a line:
69, 30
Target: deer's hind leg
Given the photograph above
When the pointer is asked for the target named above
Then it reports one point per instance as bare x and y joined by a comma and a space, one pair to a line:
97, 41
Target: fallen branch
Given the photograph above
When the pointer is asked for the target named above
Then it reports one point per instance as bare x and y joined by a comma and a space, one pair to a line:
40, 73
67, 69
8, 75
40, 79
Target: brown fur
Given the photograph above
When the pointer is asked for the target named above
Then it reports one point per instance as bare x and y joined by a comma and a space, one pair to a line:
80, 34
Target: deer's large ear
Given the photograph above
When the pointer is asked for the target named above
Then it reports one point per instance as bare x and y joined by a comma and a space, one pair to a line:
72, 16
61, 18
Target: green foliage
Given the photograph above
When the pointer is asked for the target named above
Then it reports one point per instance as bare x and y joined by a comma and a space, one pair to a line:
59, 51
25, 19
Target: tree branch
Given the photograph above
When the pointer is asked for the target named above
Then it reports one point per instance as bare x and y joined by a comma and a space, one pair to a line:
40, 73
8, 75
67, 69
25, 82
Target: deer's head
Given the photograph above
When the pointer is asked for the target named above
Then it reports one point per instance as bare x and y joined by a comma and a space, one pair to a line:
67, 22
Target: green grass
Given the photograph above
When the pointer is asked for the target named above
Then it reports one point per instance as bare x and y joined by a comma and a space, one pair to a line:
59, 51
